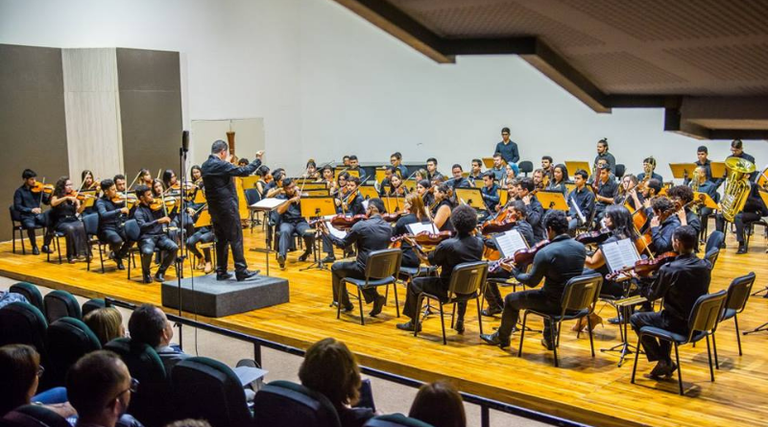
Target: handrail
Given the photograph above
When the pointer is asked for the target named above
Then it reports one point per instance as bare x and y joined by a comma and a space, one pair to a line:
485, 404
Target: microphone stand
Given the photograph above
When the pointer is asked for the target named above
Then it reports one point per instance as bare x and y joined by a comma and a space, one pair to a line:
182, 254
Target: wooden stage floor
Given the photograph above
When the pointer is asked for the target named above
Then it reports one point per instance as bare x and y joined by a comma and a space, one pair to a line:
593, 391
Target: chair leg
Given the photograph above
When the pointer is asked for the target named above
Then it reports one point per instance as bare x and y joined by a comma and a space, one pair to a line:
453, 315
58, 248
738, 338
555, 340
101, 258
591, 341
397, 302
338, 302
13, 237
419, 319
442, 321
637, 355
709, 356
479, 316
360, 303
679, 371
522, 335
714, 350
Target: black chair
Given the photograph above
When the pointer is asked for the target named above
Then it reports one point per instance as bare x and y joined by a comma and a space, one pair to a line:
467, 280
395, 420
701, 324
749, 230
56, 241
620, 171
30, 292
579, 299
133, 234
93, 304
735, 302
91, 224
23, 323
381, 269
287, 404
18, 228
34, 416
252, 195
60, 304
151, 404
208, 389
67, 340
525, 167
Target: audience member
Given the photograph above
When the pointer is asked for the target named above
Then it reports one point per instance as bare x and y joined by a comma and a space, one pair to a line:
439, 404
330, 368
189, 423
106, 323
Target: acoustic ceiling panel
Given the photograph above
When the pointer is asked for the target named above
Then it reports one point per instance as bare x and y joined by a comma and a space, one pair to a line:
493, 19
617, 71
747, 62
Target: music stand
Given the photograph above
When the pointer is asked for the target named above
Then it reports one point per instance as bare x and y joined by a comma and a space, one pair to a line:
708, 201
266, 206
313, 208
380, 174
203, 219
503, 196
200, 197
410, 184
488, 162
368, 191
471, 197
680, 170
717, 168
393, 204
552, 200
250, 181
574, 165
315, 186
316, 192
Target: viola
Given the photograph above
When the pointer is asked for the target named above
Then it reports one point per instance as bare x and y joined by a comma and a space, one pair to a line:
521, 257
158, 204
645, 267
597, 237
39, 187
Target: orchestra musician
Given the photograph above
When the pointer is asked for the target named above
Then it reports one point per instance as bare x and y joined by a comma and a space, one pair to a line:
265, 177
557, 263
65, 206
326, 175
396, 161
684, 195
602, 153
291, 221
449, 253
558, 179
533, 205
442, 208
223, 205
242, 162
345, 161
582, 198
352, 202
492, 294
754, 210
704, 163
547, 165
354, 165
458, 180
663, 224
701, 184
476, 173
680, 283
369, 235
649, 167
510, 173
420, 175
145, 178
396, 186
538, 179
507, 148
649, 190
416, 213
112, 214
626, 188
153, 221
425, 190
201, 235
605, 191
432, 172
29, 205
498, 169
311, 172
338, 188
737, 150
120, 183
89, 189
170, 181
274, 187
490, 192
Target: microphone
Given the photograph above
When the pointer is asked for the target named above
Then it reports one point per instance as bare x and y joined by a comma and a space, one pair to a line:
185, 141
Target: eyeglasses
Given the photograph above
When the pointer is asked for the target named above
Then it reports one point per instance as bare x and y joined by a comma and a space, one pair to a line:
133, 388
40, 371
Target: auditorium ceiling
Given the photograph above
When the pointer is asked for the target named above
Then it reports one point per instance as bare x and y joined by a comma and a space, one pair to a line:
704, 61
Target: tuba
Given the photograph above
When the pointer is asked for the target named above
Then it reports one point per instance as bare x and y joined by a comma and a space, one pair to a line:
737, 186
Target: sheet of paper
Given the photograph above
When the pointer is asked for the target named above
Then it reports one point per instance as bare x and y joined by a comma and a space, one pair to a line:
418, 227
333, 230
620, 255
510, 242
248, 374
269, 204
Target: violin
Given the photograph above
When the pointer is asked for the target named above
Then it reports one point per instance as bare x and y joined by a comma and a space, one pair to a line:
645, 267
392, 217
346, 222
159, 204
129, 200
597, 237
521, 257
39, 187
502, 222
424, 238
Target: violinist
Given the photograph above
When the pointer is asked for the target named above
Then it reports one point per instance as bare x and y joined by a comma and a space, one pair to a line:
370, 235
465, 247
352, 202
397, 187
112, 213
151, 221
498, 170
649, 167
28, 200
627, 188
291, 221
396, 161
683, 195
120, 183
64, 209
458, 180
582, 198
196, 177
158, 188
89, 190
201, 235
421, 175
416, 213
558, 179
145, 178
424, 189
663, 224
338, 189
510, 173
538, 179
443, 205
387, 181
311, 171
492, 294
345, 161
265, 174
680, 283
605, 191
547, 165
535, 211
326, 174
275, 186
476, 173
242, 162
557, 263
490, 192
354, 165
171, 182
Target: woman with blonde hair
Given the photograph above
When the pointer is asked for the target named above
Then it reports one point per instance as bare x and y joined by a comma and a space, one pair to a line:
106, 323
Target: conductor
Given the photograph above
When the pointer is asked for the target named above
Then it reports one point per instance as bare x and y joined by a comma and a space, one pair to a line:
224, 208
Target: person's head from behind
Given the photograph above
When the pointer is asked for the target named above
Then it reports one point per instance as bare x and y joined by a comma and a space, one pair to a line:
19, 376
106, 323
555, 222
684, 239
220, 149
464, 219
149, 325
99, 387
375, 206
331, 369
189, 423
439, 404
661, 206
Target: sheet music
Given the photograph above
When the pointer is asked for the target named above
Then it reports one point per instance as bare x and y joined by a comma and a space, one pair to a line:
577, 209
270, 203
418, 227
333, 230
365, 204
620, 254
510, 242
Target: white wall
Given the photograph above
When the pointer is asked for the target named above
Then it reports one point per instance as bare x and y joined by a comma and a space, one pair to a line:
328, 83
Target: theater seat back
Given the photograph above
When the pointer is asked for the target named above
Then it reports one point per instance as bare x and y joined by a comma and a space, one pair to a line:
287, 404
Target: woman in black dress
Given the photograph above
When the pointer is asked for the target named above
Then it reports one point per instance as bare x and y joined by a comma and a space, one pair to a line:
441, 213
64, 209
416, 213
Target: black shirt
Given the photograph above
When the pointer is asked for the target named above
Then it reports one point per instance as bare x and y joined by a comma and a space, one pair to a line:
24, 200
147, 220
508, 151
110, 217
370, 235
459, 183
661, 237
491, 196
454, 251
63, 212
558, 262
409, 257
584, 199
558, 187
448, 225
534, 216
681, 282
293, 214
654, 175
220, 189
607, 189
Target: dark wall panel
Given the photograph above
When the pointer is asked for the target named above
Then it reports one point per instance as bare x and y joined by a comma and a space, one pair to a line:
150, 107
32, 120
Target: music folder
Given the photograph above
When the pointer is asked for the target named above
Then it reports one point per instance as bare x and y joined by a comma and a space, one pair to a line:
471, 197
574, 165
620, 255
488, 162
679, 169
313, 207
368, 191
718, 169
708, 201
393, 204
552, 200
509, 242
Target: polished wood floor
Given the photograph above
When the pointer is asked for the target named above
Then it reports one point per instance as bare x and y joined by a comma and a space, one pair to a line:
593, 391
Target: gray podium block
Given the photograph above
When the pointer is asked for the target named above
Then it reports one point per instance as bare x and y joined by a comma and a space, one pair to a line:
213, 298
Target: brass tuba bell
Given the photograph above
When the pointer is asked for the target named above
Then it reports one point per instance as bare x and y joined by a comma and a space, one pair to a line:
737, 186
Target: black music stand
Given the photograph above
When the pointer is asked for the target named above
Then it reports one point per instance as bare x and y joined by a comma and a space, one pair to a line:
317, 208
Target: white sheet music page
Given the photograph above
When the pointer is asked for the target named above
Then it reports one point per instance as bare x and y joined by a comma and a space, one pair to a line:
333, 230
510, 242
620, 254
269, 204
418, 227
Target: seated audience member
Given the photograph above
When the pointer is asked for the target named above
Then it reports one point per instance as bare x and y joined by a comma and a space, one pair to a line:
106, 323
20, 373
439, 404
330, 368
100, 388
189, 423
